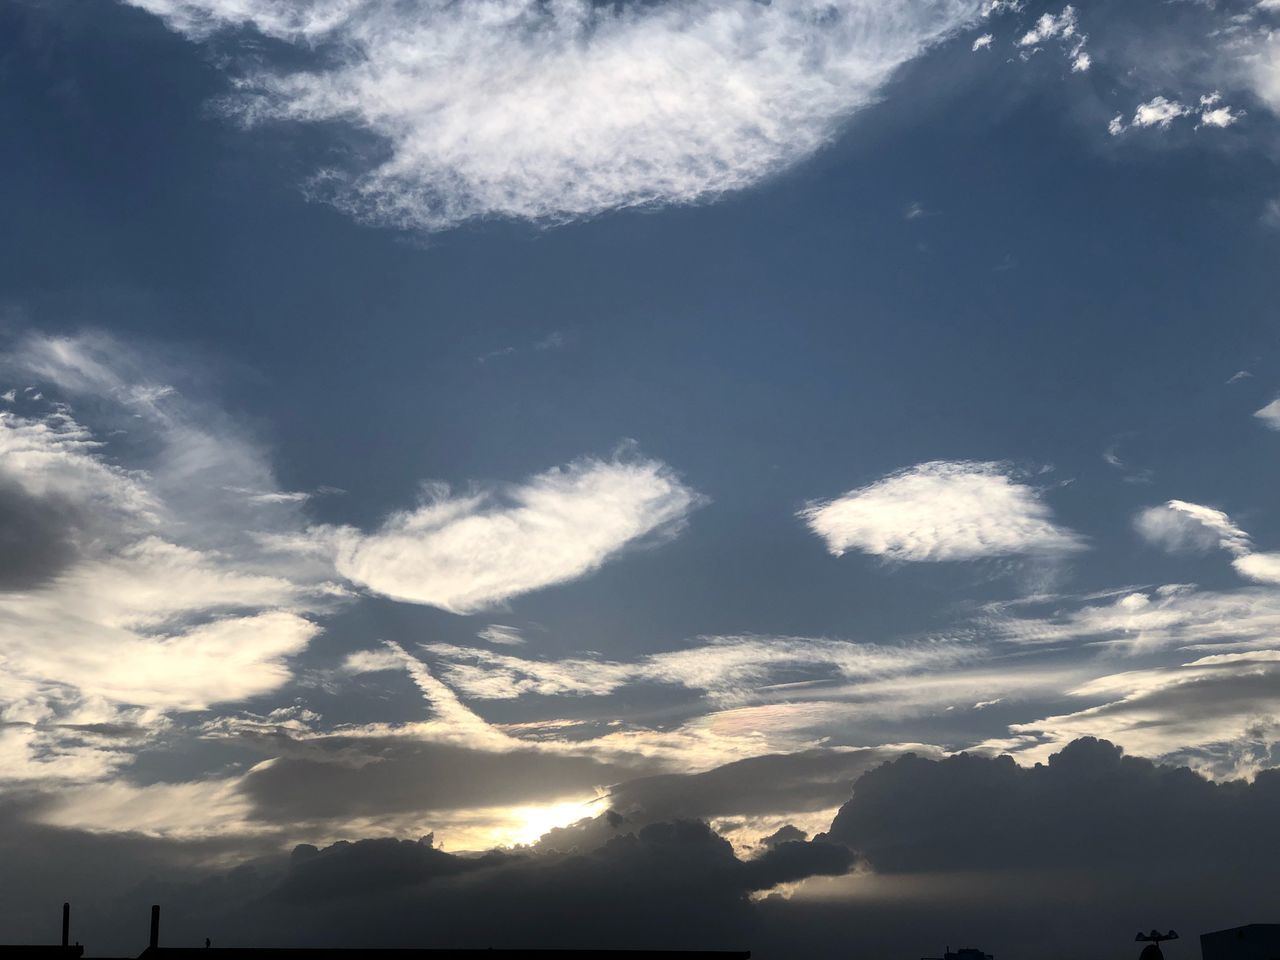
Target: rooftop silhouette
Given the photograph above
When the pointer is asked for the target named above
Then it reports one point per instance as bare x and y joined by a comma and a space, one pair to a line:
154, 951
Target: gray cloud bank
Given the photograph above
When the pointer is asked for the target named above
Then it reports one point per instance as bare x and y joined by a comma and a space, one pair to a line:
1090, 836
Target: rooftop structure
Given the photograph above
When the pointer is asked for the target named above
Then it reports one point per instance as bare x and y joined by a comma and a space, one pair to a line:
1254, 941
207, 952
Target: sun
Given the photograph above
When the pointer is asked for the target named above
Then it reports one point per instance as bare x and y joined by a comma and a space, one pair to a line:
529, 823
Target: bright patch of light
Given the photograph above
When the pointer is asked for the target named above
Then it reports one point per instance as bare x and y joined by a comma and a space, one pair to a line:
529, 824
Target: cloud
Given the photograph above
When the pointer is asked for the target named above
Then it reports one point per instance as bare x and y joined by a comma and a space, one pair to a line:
811, 780
1219, 117
1065, 27
501, 634
553, 112
134, 585
728, 669
983, 42
1261, 567
1220, 713
1049, 26
1179, 525
1261, 66
1110, 815
942, 510
605, 892
465, 553
1162, 112
1137, 621
1159, 111
1270, 414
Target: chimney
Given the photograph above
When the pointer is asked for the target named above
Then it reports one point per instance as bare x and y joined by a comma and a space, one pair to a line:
66, 924
155, 926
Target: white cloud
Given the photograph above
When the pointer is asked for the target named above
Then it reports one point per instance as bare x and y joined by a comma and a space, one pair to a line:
1064, 26
142, 589
1142, 621
1270, 414
1049, 26
941, 510
176, 811
1162, 112
1179, 526
1159, 111
1260, 567
501, 634
466, 553
1219, 117
1218, 713
555, 111
727, 669
1261, 65
983, 42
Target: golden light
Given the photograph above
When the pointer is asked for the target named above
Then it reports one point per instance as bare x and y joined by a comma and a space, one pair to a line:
527, 824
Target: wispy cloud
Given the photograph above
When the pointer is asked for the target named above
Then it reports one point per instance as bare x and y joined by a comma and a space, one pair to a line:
727, 669
550, 112
942, 510
141, 589
1216, 712
1065, 27
1270, 414
467, 552
1136, 621
501, 634
1178, 525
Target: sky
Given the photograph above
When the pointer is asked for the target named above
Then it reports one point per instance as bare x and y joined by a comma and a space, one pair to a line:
791, 476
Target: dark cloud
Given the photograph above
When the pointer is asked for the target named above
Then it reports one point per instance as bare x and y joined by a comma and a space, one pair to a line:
110, 878
1088, 807
339, 778
786, 783
369, 867
1038, 861
665, 885
784, 834
37, 537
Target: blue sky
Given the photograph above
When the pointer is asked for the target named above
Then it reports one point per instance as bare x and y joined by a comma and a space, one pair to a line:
625, 390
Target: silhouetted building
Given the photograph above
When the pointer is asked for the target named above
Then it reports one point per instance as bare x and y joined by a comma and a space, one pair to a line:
1255, 941
49, 951
964, 953
208, 952
154, 951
